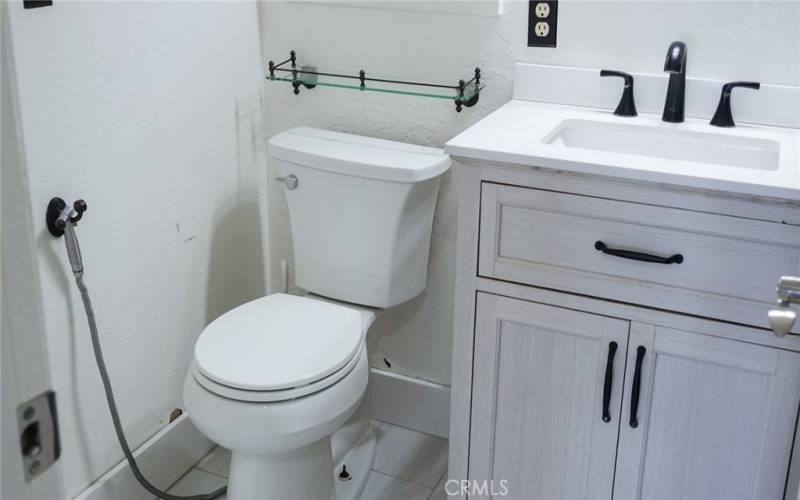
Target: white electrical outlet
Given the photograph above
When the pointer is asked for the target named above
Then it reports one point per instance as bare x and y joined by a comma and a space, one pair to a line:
542, 10
541, 29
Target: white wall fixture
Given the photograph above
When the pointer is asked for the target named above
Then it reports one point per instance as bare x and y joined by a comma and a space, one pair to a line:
362, 211
373, 250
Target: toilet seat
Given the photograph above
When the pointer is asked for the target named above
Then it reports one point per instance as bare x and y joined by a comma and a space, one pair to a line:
277, 348
277, 395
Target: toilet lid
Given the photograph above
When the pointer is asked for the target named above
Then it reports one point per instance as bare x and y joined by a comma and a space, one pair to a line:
278, 342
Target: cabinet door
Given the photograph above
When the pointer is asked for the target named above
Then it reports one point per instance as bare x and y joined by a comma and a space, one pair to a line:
537, 405
715, 417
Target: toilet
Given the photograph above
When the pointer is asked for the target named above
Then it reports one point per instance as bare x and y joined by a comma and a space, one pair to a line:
273, 379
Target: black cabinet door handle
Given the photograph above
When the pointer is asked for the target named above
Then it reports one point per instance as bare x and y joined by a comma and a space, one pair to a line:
637, 383
644, 257
612, 349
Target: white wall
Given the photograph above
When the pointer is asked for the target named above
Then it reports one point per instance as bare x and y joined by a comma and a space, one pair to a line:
24, 363
151, 112
733, 40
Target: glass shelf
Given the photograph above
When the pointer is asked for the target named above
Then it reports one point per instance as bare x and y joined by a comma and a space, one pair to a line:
464, 93
470, 90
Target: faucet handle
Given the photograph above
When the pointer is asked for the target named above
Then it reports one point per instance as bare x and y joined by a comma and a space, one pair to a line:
723, 117
626, 106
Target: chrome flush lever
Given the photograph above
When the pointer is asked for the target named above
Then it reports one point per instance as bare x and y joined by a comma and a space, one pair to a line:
783, 318
289, 182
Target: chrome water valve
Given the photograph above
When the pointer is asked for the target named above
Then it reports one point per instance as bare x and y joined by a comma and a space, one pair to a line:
289, 182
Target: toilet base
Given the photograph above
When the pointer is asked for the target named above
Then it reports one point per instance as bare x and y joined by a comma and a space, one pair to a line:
301, 473
358, 460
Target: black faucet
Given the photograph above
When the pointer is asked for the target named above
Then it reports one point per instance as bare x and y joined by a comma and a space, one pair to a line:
675, 65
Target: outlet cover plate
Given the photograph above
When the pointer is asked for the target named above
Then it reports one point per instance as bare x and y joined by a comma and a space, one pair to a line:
549, 40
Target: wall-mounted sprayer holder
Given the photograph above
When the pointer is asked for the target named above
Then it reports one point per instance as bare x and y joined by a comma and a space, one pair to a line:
57, 217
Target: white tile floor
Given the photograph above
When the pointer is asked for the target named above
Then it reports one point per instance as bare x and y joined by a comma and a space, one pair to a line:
409, 465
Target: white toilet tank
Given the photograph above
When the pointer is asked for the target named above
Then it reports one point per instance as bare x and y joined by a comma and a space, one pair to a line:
361, 213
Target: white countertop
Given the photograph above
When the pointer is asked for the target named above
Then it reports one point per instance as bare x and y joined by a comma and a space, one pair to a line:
513, 134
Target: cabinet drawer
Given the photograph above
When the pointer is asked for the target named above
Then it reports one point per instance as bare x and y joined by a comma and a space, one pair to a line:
728, 266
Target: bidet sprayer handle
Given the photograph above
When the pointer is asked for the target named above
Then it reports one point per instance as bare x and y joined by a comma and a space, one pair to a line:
67, 220
73, 249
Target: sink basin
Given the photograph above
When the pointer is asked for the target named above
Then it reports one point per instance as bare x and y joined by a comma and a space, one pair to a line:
754, 160
667, 143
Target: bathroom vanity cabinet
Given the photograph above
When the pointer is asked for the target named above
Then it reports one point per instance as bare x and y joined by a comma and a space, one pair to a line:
611, 338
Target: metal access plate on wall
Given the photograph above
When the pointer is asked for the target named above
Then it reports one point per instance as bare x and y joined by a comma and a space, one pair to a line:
38, 440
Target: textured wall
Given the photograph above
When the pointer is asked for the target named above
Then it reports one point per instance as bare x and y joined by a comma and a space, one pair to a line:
727, 40
151, 112
27, 377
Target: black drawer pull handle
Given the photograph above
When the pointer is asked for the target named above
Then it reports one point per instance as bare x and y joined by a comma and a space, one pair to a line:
637, 383
612, 349
644, 257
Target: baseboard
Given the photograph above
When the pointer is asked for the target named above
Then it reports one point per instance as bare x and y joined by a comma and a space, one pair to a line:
409, 402
406, 401
162, 459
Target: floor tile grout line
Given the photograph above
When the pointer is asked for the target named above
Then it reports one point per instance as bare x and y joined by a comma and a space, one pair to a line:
419, 481
423, 486
174, 483
436, 485
428, 490
218, 474
215, 449
408, 429
443, 476
438, 482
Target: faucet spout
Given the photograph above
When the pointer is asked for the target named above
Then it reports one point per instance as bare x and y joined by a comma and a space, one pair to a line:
675, 65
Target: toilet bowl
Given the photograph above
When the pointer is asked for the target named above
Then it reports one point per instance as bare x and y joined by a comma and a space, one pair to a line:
273, 379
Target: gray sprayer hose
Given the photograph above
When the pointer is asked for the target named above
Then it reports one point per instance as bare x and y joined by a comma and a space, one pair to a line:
73, 250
